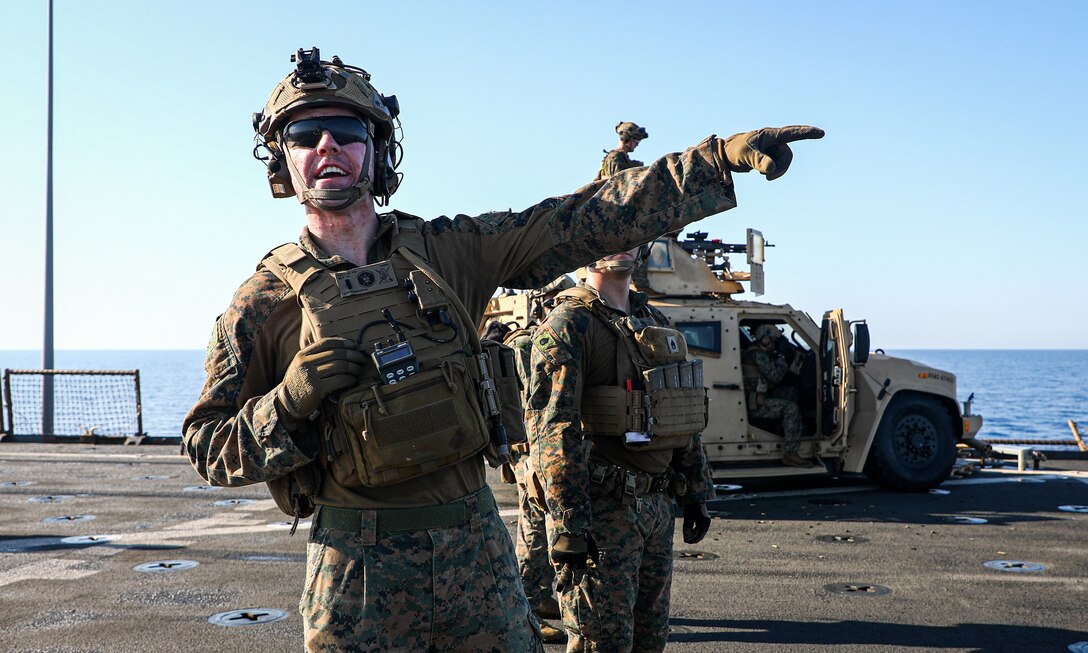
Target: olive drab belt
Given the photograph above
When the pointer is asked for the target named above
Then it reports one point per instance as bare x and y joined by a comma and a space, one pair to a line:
400, 520
630, 485
419, 407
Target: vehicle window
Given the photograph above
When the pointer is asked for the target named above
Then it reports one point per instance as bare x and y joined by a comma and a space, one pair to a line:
702, 335
788, 332
659, 256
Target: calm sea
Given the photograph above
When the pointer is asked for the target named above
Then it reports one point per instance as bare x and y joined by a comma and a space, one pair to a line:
1021, 394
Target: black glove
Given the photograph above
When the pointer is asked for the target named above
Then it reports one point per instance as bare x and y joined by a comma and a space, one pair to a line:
766, 150
574, 550
325, 366
696, 522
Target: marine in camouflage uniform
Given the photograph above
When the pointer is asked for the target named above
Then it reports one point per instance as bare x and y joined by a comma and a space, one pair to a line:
768, 398
537, 574
375, 579
618, 159
620, 600
615, 161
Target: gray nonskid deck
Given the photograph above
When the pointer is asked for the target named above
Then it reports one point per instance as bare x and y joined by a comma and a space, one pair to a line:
994, 562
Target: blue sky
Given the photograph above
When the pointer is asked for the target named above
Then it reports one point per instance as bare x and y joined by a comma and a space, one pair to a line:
945, 204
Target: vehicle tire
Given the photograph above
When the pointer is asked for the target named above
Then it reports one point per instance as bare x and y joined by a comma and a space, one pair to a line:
914, 448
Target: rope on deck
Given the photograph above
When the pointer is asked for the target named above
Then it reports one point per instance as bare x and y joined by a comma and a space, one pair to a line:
1075, 442
1000, 441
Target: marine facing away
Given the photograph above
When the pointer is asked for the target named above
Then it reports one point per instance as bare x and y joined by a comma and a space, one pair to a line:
346, 371
615, 408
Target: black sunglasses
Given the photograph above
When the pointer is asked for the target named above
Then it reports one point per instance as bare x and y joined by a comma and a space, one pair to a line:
307, 132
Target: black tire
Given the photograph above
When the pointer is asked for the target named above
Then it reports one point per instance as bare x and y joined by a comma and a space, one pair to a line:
914, 448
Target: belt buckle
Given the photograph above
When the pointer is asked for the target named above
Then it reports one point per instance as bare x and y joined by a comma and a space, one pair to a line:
598, 474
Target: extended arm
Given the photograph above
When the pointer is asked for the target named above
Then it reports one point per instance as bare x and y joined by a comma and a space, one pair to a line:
527, 249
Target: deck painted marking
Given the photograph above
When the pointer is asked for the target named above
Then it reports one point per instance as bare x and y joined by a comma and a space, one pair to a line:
48, 569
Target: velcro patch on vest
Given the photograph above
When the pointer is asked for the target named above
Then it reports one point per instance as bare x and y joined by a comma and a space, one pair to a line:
549, 346
366, 278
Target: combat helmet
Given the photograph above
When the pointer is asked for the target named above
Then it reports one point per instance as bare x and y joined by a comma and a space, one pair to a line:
542, 299
767, 331
317, 83
628, 130
556, 285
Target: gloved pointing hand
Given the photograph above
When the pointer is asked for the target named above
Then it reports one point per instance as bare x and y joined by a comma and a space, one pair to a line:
766, 150
696, 522
325, 366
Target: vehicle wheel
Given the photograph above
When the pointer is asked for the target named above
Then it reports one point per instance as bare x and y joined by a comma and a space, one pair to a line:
914, 448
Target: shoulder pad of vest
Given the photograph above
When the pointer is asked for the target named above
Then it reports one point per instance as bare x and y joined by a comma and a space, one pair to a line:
518, 333
407, 220
287, 253
409, 233
578, 293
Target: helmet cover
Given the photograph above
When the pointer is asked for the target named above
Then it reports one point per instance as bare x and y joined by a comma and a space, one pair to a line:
767, 331
631, 130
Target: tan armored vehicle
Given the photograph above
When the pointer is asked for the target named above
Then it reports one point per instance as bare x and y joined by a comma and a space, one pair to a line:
896, 420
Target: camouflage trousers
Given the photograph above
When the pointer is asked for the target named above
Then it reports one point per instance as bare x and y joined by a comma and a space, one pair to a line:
789, 413
537, 575
621, 601
444, 589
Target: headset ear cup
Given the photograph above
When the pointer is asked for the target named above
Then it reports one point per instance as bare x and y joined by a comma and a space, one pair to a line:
279, 178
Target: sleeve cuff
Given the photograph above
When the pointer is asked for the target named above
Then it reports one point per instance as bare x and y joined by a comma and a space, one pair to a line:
574, 520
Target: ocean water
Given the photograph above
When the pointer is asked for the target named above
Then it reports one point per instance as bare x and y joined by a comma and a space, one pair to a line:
1021, 394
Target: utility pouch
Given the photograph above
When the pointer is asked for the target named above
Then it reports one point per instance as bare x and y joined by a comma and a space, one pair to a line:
661, 345
606, 410
506, 473
502, 367
535, 489
294, 492
752, 383
679, 412
405, 430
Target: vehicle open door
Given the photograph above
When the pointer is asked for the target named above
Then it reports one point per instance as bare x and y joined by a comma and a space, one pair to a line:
835, 376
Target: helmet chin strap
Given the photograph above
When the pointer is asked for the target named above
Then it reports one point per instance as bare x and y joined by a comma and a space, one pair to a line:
622, 266
330, 199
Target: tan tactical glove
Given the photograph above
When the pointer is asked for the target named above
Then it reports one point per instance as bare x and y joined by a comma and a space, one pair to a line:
766, 150
571, 553
325, 366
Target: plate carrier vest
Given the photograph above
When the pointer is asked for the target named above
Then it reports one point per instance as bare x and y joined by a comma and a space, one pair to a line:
435, 395
671, 406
